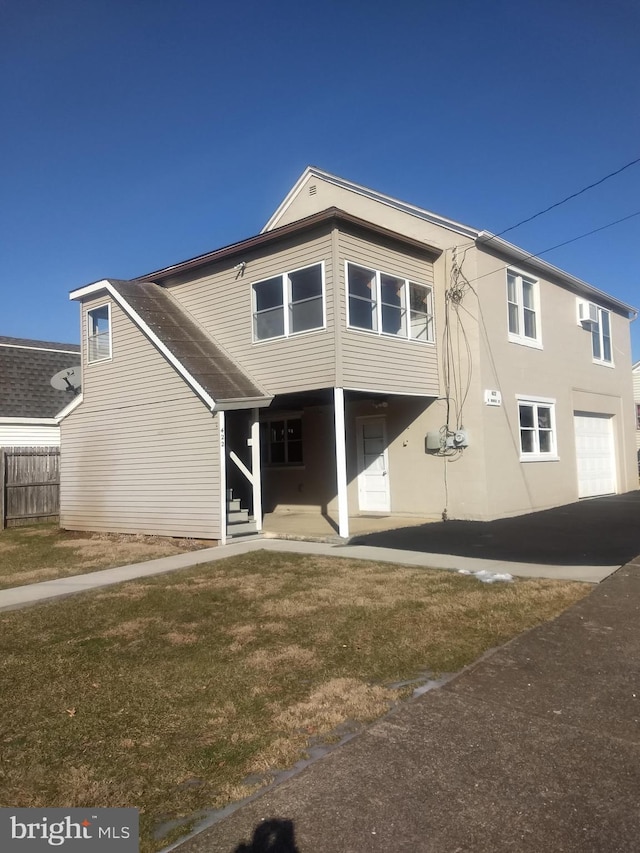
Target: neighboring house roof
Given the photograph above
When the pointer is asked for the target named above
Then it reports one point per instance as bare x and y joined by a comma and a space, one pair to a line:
201, 361
484, 239
636, 366
26, 368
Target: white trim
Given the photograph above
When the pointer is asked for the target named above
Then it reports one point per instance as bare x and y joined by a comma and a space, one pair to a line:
222, 456
378, 305
69, 408
287, 303
41, 349
122, 302
358, 189
385, 393
602, 361
535, 398
87, 312
341, 462
520, 337
255, 468
29, 421
362, 492
537, 456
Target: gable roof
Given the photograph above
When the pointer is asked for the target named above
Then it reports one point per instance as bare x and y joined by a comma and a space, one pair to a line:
201, 361
404, 206
482, 239
26, 368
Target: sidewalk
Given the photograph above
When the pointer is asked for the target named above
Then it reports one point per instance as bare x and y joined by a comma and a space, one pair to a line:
23, 596
535, 748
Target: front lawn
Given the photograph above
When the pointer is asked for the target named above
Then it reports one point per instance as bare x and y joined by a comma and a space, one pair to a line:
44, 552
183, 692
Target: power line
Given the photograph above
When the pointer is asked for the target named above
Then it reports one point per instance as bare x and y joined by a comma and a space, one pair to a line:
568, 198
558, 245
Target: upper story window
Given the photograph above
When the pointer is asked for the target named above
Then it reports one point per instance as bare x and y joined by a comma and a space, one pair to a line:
537, 429
388, 305
289, 303
523, 309
601, 336
99, 333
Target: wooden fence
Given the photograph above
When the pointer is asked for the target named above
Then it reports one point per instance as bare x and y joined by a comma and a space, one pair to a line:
29, 485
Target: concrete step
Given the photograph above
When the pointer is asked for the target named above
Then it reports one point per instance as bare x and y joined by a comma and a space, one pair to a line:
241, 528
233, 505
237, 515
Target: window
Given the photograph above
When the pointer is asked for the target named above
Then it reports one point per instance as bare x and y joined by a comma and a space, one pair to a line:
388, 305
537, 429
99, 333
281, 441
522, 308
601, 336
637, 415
288, 304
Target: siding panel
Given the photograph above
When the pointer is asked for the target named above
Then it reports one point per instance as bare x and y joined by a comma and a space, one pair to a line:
221, 303
140, 453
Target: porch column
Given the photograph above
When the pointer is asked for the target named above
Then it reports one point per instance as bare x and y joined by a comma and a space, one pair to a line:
223, 477
341, 462
255, 469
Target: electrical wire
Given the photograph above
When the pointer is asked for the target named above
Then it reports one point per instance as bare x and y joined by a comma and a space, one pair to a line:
568, 198
557, 246
563, 201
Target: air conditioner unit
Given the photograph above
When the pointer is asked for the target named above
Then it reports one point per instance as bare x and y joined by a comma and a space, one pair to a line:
587, 313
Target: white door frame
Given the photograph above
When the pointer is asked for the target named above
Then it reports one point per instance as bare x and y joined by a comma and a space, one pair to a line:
362, 492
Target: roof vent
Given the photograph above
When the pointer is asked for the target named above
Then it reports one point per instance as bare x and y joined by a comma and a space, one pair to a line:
313, 189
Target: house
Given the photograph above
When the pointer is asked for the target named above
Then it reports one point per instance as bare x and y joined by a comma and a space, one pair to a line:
636, 398
28, 402
358, 356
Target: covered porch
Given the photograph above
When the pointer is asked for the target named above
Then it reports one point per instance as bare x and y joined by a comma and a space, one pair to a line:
330, 463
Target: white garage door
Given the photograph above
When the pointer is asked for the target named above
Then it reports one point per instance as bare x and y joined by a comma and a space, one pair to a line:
595, 454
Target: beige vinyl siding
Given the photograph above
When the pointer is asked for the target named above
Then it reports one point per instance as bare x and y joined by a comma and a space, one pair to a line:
221, 303
29, 435
383, 362
140, 454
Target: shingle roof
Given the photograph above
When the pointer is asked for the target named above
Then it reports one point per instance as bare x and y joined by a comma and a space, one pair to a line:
26, 368
205, 360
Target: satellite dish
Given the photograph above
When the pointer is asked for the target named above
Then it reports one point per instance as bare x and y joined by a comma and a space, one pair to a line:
68, 379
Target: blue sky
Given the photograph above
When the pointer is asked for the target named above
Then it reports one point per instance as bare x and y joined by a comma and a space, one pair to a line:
136, 134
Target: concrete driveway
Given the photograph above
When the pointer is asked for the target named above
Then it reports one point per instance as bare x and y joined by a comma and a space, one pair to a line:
598, 532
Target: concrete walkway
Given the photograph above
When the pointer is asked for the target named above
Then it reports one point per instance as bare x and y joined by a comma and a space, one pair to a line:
534, 748
23, 596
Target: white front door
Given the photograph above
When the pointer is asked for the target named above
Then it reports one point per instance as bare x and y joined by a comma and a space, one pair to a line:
373, 468
595, 454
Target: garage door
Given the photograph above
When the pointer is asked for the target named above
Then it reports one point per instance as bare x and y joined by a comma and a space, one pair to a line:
595, 454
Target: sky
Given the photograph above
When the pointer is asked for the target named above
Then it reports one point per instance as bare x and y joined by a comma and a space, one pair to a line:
139, 133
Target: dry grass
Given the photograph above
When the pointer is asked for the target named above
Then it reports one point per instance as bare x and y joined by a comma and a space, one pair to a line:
44, 552
168, 693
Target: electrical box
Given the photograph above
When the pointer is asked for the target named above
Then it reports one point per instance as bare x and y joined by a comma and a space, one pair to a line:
460, 438
434, 442
437, 441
